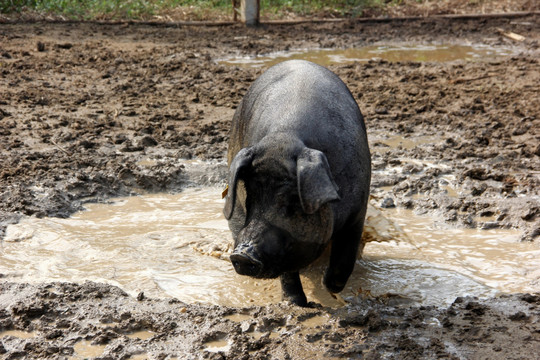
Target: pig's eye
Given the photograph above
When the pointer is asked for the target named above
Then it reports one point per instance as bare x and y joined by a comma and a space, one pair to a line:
288, 210
290, 205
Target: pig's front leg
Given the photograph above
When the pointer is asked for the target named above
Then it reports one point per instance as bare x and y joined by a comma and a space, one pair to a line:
292, 288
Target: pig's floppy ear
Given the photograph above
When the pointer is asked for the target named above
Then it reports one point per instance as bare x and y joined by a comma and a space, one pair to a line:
242, 159
315, 183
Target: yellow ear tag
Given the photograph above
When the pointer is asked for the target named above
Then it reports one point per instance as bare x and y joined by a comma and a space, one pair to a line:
225, 192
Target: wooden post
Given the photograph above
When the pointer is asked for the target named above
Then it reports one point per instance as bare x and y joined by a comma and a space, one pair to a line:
249, 12
236, 9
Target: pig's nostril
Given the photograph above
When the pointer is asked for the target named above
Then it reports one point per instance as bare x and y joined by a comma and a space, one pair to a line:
246, 265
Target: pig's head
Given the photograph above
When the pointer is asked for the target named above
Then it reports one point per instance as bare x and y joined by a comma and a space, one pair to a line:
279, 195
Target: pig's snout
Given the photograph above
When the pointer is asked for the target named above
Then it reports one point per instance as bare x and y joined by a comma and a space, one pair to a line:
260, 251
245, 264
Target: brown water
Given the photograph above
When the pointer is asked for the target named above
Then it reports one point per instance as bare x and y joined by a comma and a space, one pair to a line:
85, 350
18, 334
142, 335
393, 53
222, 345
495, 259
178, 245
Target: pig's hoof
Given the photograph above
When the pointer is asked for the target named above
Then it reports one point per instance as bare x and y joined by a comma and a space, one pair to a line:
296, 299
333, 285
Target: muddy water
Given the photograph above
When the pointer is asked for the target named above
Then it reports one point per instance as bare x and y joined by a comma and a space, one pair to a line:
83, 349
18, 334
177, 245
442, 260
217, 346
393, 53
173, 245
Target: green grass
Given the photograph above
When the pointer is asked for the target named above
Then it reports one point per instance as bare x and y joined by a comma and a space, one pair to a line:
139, 9
344, 8
84, 9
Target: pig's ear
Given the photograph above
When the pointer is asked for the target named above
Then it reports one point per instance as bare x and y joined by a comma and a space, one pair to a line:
242, 159
315, 183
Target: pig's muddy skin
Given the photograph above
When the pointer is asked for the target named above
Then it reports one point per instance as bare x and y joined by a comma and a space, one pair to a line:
92, 111
299, 177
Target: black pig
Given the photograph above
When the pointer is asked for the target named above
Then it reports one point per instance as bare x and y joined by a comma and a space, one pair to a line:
299, 177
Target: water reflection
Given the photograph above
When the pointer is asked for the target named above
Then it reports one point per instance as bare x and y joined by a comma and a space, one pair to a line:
392, 53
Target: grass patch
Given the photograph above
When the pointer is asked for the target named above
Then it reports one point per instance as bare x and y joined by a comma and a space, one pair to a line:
84, 9
339, 8
144, 9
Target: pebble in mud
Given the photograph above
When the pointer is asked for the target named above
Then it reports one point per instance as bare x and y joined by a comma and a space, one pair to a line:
388, 203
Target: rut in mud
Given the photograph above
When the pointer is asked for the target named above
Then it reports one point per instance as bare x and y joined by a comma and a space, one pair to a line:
91, 111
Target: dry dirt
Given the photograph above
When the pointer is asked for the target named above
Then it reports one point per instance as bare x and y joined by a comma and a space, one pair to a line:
82, 104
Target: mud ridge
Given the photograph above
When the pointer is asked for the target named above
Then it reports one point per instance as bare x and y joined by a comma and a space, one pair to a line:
58, 316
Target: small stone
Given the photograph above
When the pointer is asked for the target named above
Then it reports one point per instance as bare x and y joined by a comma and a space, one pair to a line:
519, 316
126, 315
388, 203
65, 46
54, 334
452, 215
530, 213
477, 191
148, 141
490, 225
246, 326
537, 150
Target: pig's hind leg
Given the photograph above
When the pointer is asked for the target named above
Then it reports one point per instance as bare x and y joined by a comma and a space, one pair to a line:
346, 245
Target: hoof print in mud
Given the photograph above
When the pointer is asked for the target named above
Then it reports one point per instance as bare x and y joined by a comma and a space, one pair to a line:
295, 189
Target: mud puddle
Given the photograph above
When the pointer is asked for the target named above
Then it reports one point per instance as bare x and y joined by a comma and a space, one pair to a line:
392, 53
85, 350
82, 349
178, 245
439, 260
18, 334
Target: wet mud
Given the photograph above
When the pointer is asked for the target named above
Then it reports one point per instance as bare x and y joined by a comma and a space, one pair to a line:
74, 321
89, 111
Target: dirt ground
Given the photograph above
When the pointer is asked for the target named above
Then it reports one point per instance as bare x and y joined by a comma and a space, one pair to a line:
81, 105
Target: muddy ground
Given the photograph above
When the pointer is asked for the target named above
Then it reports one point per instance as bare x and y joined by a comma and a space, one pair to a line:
83, 106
